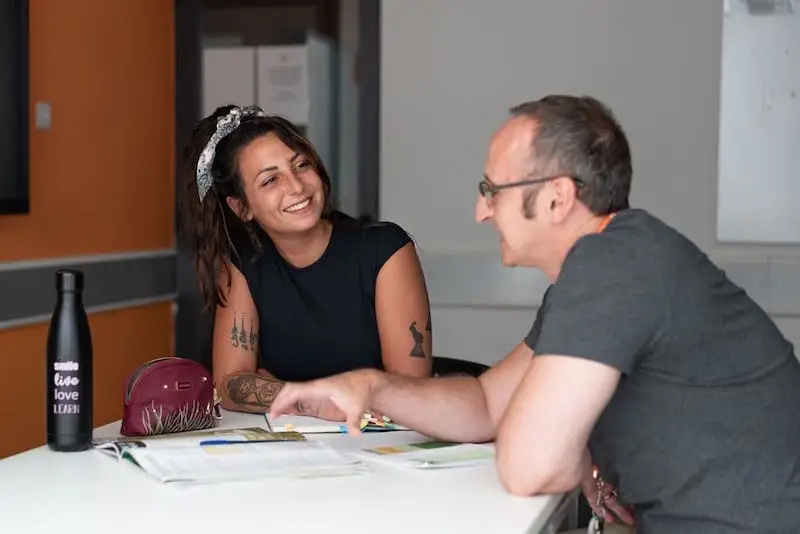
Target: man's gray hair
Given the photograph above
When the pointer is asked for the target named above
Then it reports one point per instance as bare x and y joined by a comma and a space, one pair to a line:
580, 137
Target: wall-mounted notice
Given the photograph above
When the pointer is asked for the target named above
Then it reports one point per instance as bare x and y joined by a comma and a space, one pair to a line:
283, 81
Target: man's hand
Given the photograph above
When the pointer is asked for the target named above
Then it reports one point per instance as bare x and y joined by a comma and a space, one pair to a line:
608, 502
323, 409
350, 393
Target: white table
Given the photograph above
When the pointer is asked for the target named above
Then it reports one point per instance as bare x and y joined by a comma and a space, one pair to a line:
88, 492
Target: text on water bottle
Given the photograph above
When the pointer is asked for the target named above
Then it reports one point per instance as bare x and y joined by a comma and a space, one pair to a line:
66, 397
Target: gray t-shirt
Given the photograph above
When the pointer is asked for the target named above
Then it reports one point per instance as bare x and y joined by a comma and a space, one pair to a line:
703, 432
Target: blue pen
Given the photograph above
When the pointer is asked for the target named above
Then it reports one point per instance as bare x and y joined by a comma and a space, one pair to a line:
219, 442
236, 442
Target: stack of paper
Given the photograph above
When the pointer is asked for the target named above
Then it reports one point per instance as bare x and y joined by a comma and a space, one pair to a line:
217, 456
430, 455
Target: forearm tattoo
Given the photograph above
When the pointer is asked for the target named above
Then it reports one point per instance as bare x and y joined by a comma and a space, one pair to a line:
253, 391
244, 335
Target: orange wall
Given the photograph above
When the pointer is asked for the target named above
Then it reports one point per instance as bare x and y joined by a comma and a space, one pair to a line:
121, 340
101, 181
101, 177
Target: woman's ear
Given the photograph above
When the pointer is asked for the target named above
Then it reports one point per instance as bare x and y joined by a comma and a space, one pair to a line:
237, 206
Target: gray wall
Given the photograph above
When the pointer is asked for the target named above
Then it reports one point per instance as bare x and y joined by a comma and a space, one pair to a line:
450, 70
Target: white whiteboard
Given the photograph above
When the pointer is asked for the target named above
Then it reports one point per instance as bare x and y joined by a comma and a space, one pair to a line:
759, 131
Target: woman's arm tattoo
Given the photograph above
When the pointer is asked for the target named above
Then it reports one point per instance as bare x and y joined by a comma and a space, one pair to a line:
250, 392
244, 335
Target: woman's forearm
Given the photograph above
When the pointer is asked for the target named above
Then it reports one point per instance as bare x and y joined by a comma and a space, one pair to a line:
249, 392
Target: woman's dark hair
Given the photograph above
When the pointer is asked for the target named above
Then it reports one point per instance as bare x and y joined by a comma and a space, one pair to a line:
209, 226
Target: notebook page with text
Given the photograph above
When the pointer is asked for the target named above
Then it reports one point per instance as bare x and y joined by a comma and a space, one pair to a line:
244, 461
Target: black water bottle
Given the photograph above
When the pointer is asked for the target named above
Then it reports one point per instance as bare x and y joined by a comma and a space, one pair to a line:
69, 368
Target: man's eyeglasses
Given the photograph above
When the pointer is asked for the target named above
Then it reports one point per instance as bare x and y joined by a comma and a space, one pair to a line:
488, 190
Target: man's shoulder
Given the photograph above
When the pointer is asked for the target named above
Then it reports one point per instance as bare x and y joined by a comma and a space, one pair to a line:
634, 238
641, 223
639, 227
620, 240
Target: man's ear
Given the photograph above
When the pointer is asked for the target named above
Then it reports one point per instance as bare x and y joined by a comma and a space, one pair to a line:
237, 206
564, 198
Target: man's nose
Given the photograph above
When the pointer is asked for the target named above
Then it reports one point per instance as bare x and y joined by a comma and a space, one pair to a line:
483, 210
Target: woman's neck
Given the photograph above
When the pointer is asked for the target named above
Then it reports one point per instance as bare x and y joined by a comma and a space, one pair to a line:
301, 250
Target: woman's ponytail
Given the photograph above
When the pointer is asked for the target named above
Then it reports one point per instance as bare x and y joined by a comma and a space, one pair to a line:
204, 225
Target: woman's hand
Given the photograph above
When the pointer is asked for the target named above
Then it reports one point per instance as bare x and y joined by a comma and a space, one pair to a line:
602, 497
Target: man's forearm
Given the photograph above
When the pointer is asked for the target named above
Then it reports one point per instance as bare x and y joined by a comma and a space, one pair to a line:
249, 392
449, 408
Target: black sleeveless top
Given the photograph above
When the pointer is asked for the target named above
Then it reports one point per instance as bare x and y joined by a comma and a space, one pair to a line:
319, 320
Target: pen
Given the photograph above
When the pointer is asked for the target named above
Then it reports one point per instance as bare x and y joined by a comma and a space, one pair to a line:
235, 441
219, 442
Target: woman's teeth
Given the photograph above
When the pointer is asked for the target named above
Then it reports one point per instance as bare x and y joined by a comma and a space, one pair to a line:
298, 206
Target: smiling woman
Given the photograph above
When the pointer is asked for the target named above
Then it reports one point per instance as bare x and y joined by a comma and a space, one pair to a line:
301, 291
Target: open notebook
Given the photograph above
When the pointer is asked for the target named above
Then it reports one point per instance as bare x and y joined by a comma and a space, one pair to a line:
226, 455
430, 455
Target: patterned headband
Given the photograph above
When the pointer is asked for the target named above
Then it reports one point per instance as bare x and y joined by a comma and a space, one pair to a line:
225, 126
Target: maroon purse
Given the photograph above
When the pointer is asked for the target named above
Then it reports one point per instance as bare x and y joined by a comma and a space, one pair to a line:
168, 395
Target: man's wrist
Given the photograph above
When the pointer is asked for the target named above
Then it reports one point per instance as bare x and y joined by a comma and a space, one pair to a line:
377, 380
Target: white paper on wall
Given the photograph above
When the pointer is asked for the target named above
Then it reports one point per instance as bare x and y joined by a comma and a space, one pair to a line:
282, 81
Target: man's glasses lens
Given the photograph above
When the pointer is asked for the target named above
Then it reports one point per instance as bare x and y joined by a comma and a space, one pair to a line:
485, 189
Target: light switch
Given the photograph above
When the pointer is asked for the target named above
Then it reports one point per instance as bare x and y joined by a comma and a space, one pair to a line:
43, 116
